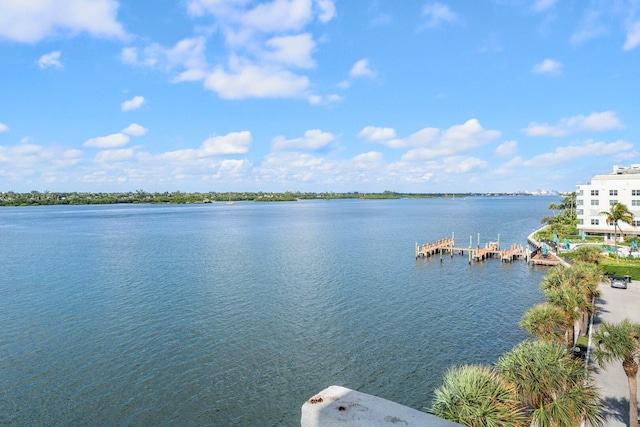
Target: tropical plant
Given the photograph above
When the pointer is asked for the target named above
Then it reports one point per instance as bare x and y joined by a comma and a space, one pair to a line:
587, 253
618, 212
621, 341
544, 321
551, 385
571, 290
476, 395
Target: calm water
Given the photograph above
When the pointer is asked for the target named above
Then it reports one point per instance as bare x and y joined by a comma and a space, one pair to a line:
228, 315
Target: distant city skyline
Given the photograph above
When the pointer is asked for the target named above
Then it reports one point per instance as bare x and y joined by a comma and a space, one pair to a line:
317, 95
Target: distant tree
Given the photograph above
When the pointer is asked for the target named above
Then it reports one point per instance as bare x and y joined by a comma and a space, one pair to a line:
618, 212
621, 341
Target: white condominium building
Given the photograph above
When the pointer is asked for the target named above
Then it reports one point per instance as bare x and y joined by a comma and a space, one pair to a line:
621, 186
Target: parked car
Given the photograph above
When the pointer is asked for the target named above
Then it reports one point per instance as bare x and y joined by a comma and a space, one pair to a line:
619, 283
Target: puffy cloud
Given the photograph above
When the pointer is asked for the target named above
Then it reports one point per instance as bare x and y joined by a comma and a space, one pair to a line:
633, 36
459, 164
51, 59
3, 127
279, 15
134, 129
109, 141
456, 139
232, 143
252, 81
32, 21
362, 69
437, 14
602, 121
132, 104
327, 10
294, 51
313, 139
548, 66
187, 57
506, 149
372, 133
108, 156
570, 153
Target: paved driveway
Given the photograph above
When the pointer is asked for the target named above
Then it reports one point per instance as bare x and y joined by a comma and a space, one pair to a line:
613, 306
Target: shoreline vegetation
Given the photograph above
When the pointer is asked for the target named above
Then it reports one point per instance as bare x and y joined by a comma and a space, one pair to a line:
36, 198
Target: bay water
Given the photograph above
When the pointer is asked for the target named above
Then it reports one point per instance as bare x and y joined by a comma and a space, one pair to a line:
234, 315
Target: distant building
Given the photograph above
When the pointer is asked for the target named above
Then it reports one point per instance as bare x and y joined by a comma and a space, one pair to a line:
620, 186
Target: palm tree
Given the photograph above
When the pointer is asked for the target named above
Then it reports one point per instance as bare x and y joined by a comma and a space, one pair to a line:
544, 321
551, 385
476, 395
621, 341
572, 290
618, 212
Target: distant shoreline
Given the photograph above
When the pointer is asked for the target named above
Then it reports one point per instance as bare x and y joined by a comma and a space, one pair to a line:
36, 198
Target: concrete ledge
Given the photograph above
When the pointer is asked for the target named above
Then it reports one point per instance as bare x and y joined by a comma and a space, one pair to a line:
338, 406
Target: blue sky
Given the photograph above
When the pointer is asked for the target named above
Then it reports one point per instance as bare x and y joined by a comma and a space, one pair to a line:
316, 95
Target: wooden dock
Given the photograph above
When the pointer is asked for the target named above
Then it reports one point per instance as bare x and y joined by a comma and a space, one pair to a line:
489, 250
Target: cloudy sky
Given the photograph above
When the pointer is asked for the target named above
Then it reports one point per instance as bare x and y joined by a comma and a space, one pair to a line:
316, 95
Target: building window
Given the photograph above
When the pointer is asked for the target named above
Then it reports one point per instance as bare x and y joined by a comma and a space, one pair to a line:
581, 221
613, 192
580, 202
635, 203
594, 193
636, 223
612, 202
595, 222
579, 212
595, 202
635, 192
580, 193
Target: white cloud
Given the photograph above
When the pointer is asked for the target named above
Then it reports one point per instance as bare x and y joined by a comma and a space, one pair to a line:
279, 15
134, 129
252, 81
602, 121
294, 51
3, 127
437, 14
313, 139
232, 143
542, 5
507, 149
51, 59
570, 153
372, 133
186, 57
132, 104
327, 10
591, 27
31, 21
460, 164
110, 141
633, 36
108, 156
362, 69
456, 139
548, 66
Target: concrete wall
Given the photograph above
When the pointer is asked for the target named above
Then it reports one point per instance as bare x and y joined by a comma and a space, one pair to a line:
338, 406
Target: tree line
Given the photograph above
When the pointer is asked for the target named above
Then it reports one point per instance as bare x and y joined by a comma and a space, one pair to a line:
37, 198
